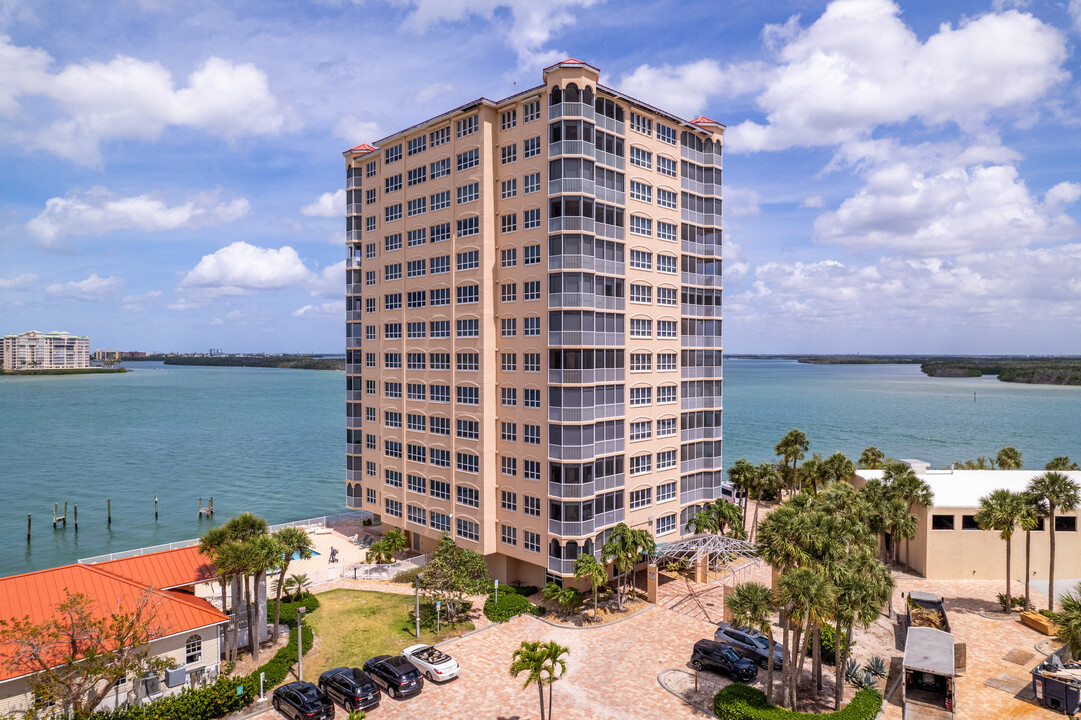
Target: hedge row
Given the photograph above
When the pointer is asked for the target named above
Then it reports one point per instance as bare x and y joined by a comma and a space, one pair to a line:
741, 702
509, 605
221, 697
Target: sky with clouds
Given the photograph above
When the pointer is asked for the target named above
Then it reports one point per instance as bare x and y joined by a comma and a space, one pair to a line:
899, 177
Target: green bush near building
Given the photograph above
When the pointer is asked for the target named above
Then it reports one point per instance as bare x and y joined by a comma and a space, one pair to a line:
742, 702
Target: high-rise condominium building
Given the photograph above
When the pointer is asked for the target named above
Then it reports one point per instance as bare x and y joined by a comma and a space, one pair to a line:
45, 351
534, 324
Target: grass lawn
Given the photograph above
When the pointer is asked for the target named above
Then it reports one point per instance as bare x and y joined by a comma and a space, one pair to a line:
353, 625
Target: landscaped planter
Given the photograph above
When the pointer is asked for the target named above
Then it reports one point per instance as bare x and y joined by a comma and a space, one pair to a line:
1039, 622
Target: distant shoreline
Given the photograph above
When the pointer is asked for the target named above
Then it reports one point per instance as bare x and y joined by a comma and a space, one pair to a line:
288, 362
1029, 369
64, 371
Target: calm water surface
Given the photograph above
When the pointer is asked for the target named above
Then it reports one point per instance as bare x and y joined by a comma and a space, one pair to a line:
272, 441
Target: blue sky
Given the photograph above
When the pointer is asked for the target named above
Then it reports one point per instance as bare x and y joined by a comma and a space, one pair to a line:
898, 177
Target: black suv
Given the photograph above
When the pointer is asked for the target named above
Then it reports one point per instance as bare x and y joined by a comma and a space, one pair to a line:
303, 700
712, 654
351, 687
395, 674
750, 644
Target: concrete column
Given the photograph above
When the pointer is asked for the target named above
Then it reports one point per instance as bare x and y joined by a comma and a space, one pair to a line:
651, 583
701, 576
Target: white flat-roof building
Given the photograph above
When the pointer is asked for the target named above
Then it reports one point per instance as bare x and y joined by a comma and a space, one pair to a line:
949, 543
53, 350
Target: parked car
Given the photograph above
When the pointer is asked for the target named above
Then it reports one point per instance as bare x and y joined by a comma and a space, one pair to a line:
303, 700
352, 687
750, 644
396, 675
432, 662
712, 654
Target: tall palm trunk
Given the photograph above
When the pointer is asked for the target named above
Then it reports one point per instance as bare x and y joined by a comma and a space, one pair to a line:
225, 609
540, 691
838, 666
798, 650
253, 644
786, 660
594, 602
1009, 603
816, 659
278, 599
754, 525
769, 672
1051, 570
550, 684
1028, 573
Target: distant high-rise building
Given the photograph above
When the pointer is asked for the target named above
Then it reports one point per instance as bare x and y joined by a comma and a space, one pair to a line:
45, 351
534, 324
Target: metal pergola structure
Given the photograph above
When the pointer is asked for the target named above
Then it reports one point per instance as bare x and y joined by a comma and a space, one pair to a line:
718, 550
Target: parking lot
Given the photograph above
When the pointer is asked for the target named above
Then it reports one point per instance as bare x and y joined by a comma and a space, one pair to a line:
611, 672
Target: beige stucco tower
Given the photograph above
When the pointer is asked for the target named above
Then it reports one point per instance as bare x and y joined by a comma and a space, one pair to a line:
534, 323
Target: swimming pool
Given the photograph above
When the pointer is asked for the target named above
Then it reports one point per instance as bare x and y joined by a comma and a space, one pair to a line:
296, 555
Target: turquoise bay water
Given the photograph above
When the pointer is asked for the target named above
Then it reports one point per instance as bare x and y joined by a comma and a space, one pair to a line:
272, 441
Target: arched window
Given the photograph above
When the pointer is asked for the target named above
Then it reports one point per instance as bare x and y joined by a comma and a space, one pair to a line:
556, 96
571, 94
587, 95
193, 649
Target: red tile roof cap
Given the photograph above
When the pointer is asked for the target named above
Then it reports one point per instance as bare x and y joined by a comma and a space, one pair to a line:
703, 120
572, 61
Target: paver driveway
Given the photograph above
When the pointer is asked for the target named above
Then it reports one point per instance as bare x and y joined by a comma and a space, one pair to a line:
611, 672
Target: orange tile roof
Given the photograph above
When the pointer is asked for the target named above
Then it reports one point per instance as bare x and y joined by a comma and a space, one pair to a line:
166, 569
703, 120
35, 596
362, 149
572, 61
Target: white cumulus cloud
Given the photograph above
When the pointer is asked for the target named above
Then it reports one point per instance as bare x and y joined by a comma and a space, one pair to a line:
859, 66
17, 281
687, 89
127, 98
329, 205
100, 210
240, 268
94, 288
331, 309
355, 131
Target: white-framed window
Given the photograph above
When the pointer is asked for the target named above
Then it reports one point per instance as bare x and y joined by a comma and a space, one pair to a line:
666, 134
641, 226
468, 429
468, 530
508, 188
468, 462
392, 154
641, 293
468, 159
666, 166
441, 232
666, 427
531, 434
667, 264
531, 362
392, 212
666, 394
531, 398
438, 297
392, 242
469, 193
531, 111
641, 191
440, 200
641, 259
508, 500
641, 158
393, 183
666, 231
439, 264
417, 422
531, 219
392, 478
468, 362
641, 124
417, 237
417, 144
508, 154
666, 524
531, 147
641, 327
508, 362
508, 223
531, 505
531, 541
467, 227
468, 496
666, 491
509, 535
439, 394
508, 431
193, 649
416, 515
532, 254
641, 498
440, 168
369, 169
508, 465
439, 521
667, 329
468, 395
641, 464
508, 292
641, 361
440, 360
666, 198
532, 327
531, 470
666, 459
667, 296
509, 396
531, 290
641, 396
508, 327
439, 137
468, 294
641, 430
440, 490
467, 126
509, 119
468, 328
369, 225
531, 183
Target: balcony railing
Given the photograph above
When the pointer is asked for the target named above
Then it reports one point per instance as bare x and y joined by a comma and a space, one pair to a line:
614, 232
585, 300
610, 124
354, 448
570, 185
352, 263
697, 218
585, 452
610, 195
354, 208
703, 311
700, 279
571, 109
585, 337
701, 158
353, 236
701, 341
694, 373
353, 181
354, 288
571, 147
586, 377
585, 414
700, 188
610, 159
576, 223
585, 262
701, 248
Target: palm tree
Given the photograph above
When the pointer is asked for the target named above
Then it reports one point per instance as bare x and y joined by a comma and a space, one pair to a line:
294, 541
726, 516
1061, 463
862, 585
871, 459
296, 585
243, 528
1035, 511
568, 598
544, 664
395, 541
913, 490
751, 605
743, 478
839, 467
1001, 511
701, 522
379, 552
814, 473
232, 560
1059, 492
210, 544
1009, 458
1069, 621
808, 598
623, 548
767, 480
266, 553
587, 567
791, 449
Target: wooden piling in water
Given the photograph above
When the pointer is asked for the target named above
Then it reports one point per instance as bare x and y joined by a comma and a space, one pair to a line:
210, 506
65, 518
76, 517
155, 507
27, 527
109, 510
56, 508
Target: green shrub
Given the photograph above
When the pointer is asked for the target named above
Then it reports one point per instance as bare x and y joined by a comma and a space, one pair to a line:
1015, 602
509, 605
289, 609
1048, 614
826, 642
407, 577
427, 615
741, 702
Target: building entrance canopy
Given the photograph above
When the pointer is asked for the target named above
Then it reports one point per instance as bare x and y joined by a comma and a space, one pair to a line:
716, 549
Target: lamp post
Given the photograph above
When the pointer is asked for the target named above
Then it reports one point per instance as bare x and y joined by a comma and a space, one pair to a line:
300, 642
416, 611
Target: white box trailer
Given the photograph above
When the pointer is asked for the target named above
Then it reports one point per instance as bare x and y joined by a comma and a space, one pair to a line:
928, 689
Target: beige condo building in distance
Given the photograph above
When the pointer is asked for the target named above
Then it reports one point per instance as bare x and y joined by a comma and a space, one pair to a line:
53, 350
534, 324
